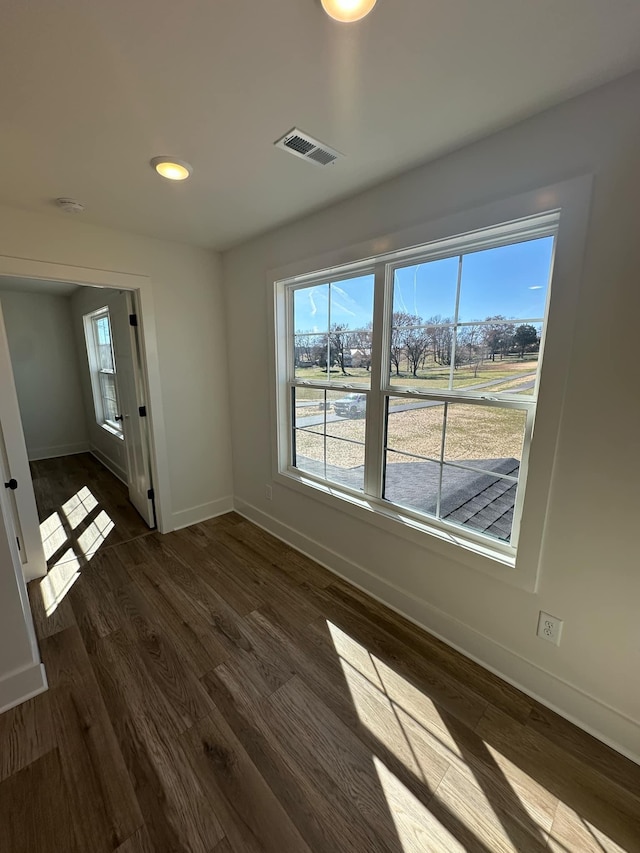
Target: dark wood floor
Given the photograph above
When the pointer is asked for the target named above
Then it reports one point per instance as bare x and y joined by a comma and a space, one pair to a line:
82, 507
213, 690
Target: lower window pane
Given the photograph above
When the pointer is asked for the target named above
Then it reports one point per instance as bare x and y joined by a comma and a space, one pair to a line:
308, 409
109, 401
309, 452
481, 502
329, 433
412, 482
474, 482
345, 463
415, 426
484, 436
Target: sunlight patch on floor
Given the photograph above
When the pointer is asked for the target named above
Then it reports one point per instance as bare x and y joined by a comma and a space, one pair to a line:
418, 830
55, 535
377, 714
571, 832
52, 534
77, 508
92, 538
354, 654
410, 726
59, 580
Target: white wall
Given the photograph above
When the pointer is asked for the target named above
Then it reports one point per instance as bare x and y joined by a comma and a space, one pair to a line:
109, 448
21, 673
189, 313
46, 373
591, 564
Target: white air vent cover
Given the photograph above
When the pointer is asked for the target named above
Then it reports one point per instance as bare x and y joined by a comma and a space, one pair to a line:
307, 148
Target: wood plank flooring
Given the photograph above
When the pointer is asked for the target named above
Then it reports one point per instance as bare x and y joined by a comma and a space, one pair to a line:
214, 690
81, 507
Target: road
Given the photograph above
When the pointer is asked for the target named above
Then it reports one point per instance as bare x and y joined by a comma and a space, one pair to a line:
317, 420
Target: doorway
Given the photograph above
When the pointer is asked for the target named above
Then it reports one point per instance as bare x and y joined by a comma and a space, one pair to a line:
105, 475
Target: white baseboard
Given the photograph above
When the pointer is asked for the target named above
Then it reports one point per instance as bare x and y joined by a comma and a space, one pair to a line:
586, 711
22, 684
38, 453
109, 464
196, 514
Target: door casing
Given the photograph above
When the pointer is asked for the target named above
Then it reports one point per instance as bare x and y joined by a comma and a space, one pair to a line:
149, 373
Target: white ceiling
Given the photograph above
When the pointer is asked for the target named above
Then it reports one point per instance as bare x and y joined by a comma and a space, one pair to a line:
90, 90
37, 285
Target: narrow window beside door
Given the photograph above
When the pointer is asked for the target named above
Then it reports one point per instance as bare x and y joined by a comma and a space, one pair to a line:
102, 364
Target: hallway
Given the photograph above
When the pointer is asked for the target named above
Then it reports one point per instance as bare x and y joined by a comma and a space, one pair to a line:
82, 508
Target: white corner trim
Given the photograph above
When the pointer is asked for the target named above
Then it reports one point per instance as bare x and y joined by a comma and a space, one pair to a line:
58, 450
584, 710
109, 464
22, 684
196, 514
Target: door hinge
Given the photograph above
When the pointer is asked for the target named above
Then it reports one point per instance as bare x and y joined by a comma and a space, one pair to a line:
142, 411
133, 319
150, 494
18, 541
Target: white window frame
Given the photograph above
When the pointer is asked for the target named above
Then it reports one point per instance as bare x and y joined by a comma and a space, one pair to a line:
568, 203
111, 426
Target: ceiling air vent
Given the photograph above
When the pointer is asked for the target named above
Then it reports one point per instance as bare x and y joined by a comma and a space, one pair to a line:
308, 148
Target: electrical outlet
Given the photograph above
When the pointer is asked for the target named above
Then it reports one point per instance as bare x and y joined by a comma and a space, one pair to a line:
550, 627
268, 491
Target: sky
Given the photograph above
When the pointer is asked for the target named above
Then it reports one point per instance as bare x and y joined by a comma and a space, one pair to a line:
509, 280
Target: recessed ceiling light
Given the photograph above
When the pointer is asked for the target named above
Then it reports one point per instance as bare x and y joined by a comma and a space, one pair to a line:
347, 11
172, 169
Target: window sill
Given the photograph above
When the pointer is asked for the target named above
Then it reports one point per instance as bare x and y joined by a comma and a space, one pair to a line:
116, 433
501, 566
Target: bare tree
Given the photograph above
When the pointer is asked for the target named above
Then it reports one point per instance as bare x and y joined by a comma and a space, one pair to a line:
416, 344
340, 342
400, 321
320, 351
440, 334
470, 347
304, 350
362, 340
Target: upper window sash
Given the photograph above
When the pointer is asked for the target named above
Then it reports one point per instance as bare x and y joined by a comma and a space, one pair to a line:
519, 231
383, 270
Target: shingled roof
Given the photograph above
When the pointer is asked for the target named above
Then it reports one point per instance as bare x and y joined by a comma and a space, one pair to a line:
480, 501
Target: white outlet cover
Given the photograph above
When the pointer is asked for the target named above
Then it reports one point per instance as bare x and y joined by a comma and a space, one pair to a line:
550, 628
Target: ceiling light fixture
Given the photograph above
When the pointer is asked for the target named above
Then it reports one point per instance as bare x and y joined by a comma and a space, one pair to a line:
172, 169
347, 11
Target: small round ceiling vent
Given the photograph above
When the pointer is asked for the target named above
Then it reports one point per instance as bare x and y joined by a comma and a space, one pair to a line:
70, 205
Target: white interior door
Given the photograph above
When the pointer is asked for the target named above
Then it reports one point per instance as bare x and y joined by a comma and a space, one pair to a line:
15, 471
132, 399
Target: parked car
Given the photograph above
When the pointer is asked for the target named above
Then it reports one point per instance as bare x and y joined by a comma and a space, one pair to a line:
351, 406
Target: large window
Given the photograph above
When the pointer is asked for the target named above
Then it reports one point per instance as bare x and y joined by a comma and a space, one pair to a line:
103, 370
412, 379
